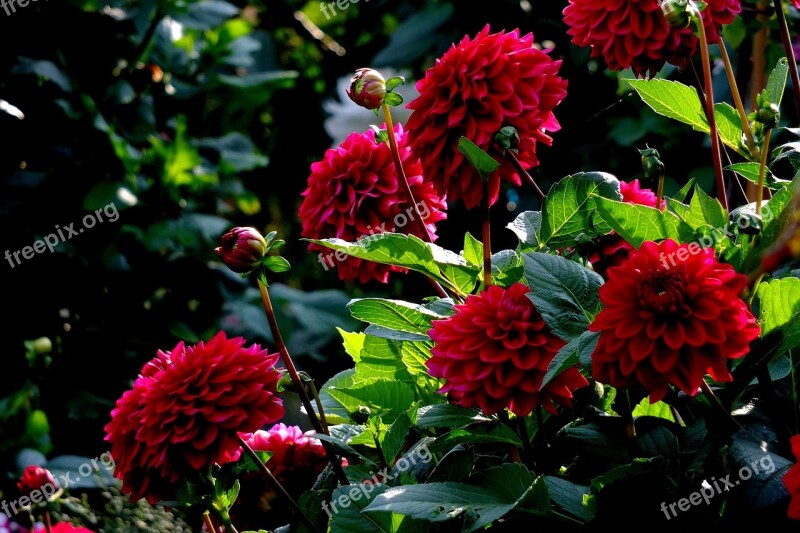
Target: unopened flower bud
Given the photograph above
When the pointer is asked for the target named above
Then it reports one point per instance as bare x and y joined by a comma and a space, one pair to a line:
242, 249
367, 88
34, 478
676, 13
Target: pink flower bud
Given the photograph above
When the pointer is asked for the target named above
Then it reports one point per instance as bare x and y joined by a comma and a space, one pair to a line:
242, 249
367, 88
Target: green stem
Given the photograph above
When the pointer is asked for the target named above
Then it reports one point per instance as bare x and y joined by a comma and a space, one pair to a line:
320, 410
487, 237
269, 475
512, 449
524, 173
737, 99
298, 384
401, 176
717, 403
712, 123
786, 39
762, 172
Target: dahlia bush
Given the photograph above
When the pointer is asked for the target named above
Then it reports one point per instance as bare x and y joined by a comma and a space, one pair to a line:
631, 358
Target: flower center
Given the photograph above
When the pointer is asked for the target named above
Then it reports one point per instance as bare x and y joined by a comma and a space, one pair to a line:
663, 293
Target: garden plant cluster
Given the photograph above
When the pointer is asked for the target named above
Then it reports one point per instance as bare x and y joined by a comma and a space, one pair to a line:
631, 358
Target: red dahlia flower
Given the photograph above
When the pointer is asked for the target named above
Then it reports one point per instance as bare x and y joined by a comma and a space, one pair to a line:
634, 34
792, 481
494, 352
355, 192
613, 249
34, 478
476, 88
293, 452
63, 527
671, 314
185, 411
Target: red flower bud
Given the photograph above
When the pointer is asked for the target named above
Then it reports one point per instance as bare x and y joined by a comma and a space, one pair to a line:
242, 249
367, 88
34, 478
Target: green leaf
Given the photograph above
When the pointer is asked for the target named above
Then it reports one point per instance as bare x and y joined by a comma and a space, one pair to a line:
506, 268
639, 223
749, 171
526, 227
473, 250
707, 208
394, 82
399, 360
514, 482
680, 102
347, 510
276, 263
482, 162
658, 410
438, 502
394, 314
393, 99
578, 350
448, 416
569, 208
777, 81
385, 397
729, 126
410, 252
778, 308
477, 434
564, 292
569, 497
395, 438
684, 192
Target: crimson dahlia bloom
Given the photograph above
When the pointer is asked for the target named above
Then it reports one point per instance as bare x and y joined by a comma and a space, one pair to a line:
613, 249
634, 34
34, 478
293, 452
476, 88
671, 314
185, 411
494, 352
63, 527
355, 192
792, 481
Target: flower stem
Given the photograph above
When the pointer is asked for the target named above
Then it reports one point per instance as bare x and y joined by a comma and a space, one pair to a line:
524, 173
487, 237
209, 524
718, 404
269, 475
737, 99
48, 526
712, 123
320, 410
762, 171
787, 47
401, 176
298, 384
512, 449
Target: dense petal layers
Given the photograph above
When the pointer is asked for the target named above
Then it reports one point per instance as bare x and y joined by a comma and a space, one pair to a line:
494, 352
354, 192
477, 87
185, 412
671, 315
634, 33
